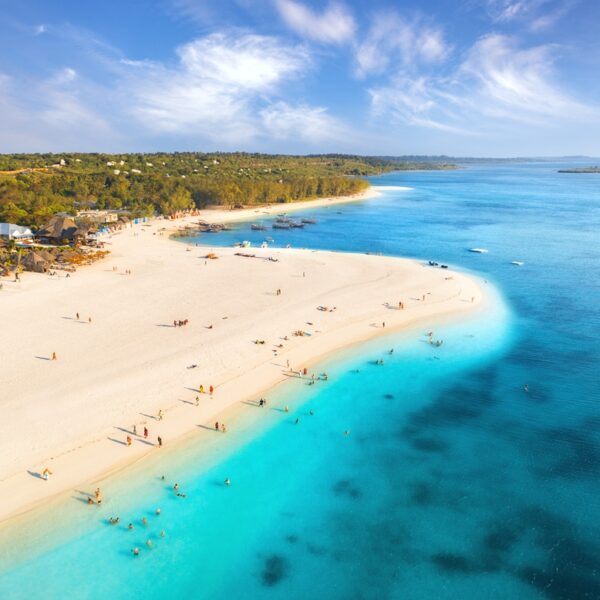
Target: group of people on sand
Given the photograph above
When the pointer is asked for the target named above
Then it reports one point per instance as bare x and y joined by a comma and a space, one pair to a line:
211, 389
97, 496
220, 427
146, 433
78, 318
180, 323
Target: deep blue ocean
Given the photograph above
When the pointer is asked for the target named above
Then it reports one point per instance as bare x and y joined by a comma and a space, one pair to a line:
470, 471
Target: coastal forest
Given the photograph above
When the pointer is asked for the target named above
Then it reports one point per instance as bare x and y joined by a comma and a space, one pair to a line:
33, 187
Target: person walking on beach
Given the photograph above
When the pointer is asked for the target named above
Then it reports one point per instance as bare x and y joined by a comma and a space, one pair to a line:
197, 401
161, 414
145, 433
159, 439
201, 389
223, 428
90, 320
46, 474
134, 430
217, 425
54, 356
77, 316
211, 389
98, 495
129, 440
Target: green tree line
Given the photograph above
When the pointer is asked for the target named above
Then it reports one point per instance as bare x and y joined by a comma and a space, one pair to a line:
33, 187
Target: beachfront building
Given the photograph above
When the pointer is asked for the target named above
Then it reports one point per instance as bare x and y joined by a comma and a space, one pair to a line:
15, 232
62, 230
99, 216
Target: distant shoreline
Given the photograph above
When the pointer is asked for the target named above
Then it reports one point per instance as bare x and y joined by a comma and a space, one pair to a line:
580, 170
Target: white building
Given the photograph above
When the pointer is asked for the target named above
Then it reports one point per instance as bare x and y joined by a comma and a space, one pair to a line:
15, 232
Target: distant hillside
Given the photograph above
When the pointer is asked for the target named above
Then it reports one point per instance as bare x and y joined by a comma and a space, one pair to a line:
33, 187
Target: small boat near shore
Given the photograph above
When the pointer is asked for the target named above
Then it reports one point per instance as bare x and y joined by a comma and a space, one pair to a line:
281, 225
309, 221
296, 224
518, 263
479, 250
257, 227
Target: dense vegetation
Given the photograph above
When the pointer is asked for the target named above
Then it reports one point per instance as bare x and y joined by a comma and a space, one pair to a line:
33, 187
581, 170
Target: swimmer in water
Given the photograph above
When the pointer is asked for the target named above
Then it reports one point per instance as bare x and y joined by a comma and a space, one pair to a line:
176, 487
162, 533
149, 543
90, 501
130, 526
287, 409
144, 521
526, 388
227, 481
157, 511
311, 412
136, 551
347, 432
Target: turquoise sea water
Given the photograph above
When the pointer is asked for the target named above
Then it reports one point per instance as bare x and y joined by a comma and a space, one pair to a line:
454, 482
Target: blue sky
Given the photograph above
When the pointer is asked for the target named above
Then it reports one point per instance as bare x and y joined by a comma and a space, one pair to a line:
458, 77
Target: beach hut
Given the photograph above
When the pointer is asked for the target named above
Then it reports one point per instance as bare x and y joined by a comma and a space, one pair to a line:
35, 262
58, 229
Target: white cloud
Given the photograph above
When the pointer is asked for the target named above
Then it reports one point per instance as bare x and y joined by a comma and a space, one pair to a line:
335, 25
214, 86
39, 29
535, 14
392, 38
498, 83
310, 124
50, 114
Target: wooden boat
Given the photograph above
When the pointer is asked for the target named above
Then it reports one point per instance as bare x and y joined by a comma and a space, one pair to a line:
256, 227
277, 225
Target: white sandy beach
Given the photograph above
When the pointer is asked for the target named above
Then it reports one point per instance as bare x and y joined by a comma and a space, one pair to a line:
73, 414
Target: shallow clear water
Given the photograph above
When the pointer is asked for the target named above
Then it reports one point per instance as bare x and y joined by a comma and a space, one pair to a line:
453, 483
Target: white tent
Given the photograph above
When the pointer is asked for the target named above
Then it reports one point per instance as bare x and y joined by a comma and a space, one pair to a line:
15, 231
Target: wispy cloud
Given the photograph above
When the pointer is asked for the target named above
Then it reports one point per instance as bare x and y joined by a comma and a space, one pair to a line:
335, 25
392, 38
51, 113
497, 83
216, 88
313, 125
536, 15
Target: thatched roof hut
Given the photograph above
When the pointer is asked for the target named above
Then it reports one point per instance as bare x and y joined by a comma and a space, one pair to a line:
34, 262
58, 228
